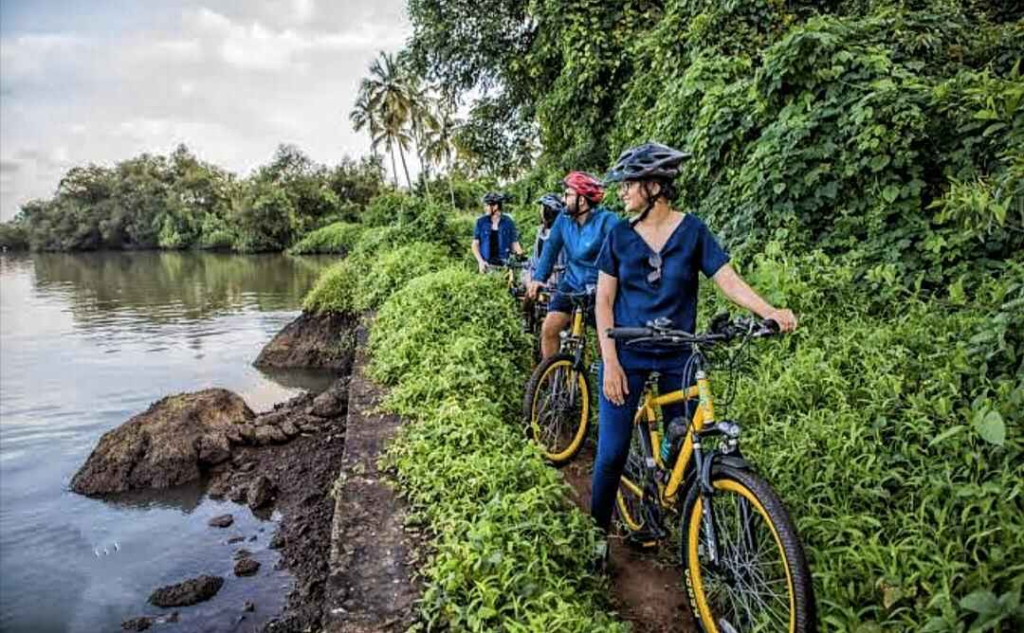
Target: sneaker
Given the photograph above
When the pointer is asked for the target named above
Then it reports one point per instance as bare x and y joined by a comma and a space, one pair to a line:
600, 563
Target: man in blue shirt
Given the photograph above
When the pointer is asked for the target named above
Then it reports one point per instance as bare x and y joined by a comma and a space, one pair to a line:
580, 233
495, 234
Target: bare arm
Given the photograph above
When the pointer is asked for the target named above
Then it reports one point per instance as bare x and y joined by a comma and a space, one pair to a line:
516, 248
481, 264
615, 385
607, 287
737, 290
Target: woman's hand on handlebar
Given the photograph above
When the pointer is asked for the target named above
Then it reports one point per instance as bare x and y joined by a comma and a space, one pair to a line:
784, 317
533, 288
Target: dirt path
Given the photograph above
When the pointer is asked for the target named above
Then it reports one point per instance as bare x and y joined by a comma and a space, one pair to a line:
371, 587
648, 591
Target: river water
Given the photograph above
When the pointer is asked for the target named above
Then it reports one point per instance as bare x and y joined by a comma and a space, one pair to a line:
86, 342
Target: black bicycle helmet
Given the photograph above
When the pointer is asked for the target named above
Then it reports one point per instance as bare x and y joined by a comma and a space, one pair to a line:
647, 161
553, 205
494, 197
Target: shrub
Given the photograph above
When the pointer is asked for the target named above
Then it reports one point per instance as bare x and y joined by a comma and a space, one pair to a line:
510, 551
337, 238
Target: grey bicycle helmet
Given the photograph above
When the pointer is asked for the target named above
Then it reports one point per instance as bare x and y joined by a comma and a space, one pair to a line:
647, 161
494, 197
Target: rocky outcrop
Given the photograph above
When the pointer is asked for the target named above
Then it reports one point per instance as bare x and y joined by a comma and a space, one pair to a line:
168, 445
187, 593
324, 341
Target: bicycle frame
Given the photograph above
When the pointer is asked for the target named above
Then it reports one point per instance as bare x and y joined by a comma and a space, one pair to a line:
647, 414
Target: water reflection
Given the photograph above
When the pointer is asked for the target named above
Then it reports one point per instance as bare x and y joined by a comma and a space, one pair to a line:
88, 341
164, 286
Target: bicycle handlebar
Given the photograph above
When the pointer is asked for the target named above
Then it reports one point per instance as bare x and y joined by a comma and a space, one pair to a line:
657, 333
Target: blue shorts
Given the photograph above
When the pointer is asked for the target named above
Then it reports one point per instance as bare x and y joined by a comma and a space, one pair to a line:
561, 302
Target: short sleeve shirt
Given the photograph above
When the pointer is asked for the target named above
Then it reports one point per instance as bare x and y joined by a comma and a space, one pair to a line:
691, 248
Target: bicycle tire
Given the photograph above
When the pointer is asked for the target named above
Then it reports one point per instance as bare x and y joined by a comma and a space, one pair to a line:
709, 589
629, 498
558, 442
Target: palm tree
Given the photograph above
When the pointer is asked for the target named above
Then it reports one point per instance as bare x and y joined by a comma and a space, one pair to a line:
439, 148
390, 97
363, 116
422, 122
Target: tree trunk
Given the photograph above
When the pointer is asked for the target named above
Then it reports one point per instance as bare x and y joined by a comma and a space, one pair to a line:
408, 181
394, 167
451, 189
424, 173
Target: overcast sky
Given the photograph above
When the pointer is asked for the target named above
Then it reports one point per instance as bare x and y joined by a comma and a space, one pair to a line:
101, 81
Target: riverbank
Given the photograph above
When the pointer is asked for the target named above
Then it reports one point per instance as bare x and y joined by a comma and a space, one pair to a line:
310, 462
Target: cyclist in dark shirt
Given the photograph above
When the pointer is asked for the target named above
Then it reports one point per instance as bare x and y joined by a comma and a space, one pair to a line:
494, 235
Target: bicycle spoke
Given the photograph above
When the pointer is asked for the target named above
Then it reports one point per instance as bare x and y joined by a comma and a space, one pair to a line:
748, 587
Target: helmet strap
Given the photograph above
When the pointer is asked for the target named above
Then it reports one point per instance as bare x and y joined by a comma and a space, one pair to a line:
651, 199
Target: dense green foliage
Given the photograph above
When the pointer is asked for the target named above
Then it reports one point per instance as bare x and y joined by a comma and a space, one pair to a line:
900, 457
337, 238
510, 552
402, 237
179, 202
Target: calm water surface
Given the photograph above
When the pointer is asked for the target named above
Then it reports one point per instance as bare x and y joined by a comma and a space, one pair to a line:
87, 341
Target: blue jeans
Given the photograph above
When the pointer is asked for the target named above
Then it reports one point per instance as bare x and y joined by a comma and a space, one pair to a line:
615, 431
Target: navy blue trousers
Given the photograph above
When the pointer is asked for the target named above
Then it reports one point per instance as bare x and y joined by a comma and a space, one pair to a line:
615, 431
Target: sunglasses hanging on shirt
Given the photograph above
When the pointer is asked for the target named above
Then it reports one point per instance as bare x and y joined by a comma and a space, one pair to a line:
654, 277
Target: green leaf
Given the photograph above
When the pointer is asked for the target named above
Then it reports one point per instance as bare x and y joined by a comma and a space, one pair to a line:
879, 162
779, 187
945, 435
991, 427
981, 602
890, 193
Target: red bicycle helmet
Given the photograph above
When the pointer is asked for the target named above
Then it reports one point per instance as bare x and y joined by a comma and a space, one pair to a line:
585, 185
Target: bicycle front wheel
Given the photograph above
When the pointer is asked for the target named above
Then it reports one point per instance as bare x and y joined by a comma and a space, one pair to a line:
556, 408
761, 581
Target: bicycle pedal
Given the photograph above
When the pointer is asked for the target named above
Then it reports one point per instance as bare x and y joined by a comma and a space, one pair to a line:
642, 543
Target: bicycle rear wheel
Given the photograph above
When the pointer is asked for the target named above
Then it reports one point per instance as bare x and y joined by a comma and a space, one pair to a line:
556, 408
761, 582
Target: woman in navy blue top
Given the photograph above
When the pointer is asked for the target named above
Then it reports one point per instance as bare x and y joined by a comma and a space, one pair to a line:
649, 268
494, 235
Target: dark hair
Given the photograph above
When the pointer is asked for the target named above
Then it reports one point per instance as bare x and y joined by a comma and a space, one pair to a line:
667, 190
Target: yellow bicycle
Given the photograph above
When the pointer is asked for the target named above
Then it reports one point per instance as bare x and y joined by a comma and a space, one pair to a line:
556, 406
743, 563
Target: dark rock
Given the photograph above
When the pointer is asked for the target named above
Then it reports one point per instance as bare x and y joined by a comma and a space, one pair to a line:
165, 446
238, 494
187, 593
214, 449
249, 606
252, 539
137, 624
261, 492
268, 434
222, 521
235, 435
242, 553
313, 340
235, 539
248, 433
174, 617
278, 541
289, 429
247, 567
274, 418
329, 404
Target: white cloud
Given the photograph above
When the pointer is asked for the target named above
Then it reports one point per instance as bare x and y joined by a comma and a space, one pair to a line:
231, 80
28, 55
